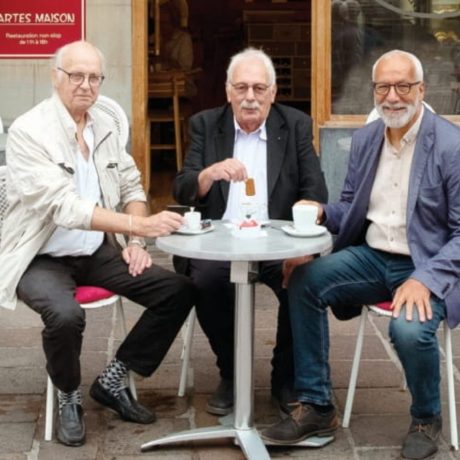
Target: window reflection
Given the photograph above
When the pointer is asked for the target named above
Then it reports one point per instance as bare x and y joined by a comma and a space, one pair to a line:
362, 30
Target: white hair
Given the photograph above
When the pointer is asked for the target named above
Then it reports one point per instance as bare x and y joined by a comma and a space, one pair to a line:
414, 59
252, 53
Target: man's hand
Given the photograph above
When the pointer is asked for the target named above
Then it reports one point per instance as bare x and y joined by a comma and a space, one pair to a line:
137, 258
413, 293
228, 170
161, 224
290, 264
320, 216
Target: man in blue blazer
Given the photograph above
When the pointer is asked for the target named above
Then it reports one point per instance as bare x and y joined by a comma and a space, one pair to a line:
251, 136
398, 227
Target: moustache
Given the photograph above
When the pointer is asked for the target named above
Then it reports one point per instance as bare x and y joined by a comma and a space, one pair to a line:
250, 105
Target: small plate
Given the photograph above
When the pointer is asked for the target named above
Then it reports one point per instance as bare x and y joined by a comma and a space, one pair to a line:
316, 230
186, 231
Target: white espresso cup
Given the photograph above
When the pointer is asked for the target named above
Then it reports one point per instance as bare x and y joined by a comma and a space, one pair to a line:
193, 220
304, 216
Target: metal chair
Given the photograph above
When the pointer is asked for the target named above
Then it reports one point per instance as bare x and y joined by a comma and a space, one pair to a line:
89, 297
384, 309
187, 337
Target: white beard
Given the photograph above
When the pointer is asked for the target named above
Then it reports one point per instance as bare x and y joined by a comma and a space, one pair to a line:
398, 119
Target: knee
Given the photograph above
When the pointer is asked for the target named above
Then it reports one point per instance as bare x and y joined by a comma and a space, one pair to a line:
206, 279
65, 320
307, 276
408, 335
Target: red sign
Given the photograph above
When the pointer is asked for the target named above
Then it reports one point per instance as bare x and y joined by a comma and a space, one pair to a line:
37, 28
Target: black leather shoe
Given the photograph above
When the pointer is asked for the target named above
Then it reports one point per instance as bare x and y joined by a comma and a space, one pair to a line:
221, 401
70, 425
421, 440
303, 421
128, 408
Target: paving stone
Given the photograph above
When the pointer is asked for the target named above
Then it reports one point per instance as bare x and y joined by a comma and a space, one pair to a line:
16, 438
19, 408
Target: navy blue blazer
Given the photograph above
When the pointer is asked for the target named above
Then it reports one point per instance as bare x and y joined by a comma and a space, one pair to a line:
433, 206
293, 169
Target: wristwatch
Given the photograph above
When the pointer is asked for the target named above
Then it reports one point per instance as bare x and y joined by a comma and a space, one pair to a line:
137, 240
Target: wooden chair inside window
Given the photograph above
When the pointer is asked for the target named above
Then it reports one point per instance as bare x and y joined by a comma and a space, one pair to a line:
164, 87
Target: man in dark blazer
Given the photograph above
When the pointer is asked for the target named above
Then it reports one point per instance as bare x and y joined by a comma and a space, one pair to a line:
398, 226
251, 136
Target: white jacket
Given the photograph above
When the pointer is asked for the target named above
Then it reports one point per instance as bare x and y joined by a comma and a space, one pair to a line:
40, 155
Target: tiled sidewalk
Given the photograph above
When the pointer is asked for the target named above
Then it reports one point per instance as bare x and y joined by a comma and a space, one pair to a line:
379, 421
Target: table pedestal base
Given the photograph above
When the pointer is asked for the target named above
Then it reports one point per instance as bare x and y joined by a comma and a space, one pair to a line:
248, 440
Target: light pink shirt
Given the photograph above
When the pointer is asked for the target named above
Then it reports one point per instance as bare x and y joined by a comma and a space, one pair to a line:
388, 200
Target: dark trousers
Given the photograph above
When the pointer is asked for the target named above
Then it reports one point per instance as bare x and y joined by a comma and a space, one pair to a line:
48, 287
215, 311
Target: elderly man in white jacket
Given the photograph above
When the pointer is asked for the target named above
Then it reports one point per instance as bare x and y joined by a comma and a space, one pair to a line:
73, 191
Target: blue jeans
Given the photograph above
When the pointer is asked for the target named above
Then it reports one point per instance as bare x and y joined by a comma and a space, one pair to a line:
355, 276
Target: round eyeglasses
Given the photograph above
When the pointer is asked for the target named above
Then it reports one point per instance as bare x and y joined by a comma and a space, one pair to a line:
77, 78
403, 89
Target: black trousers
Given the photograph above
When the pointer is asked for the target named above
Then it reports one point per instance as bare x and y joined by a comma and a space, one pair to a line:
48, 287
215, 311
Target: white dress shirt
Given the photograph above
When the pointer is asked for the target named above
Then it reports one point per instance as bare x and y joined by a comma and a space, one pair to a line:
251, 150
388, 200
75, 242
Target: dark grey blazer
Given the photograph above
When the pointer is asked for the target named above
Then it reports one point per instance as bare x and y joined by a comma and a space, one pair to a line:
293, 170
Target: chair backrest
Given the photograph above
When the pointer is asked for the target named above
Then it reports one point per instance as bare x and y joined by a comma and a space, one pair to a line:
116, 112
3, 200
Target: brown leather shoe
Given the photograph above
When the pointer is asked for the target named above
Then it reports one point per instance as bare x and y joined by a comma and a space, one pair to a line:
304, 421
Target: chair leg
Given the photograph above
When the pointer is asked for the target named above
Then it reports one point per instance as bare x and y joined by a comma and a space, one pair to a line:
121, 312
451, 387
186, 350
49, 413
354, 369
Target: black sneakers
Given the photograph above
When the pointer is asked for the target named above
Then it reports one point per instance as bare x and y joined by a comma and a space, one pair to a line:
421, 440
304, 421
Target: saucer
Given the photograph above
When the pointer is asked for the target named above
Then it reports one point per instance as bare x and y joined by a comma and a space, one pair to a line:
186, 231
315, 230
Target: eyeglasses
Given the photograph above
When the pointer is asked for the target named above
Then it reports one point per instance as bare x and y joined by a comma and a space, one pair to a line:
77, 78
403, 89
241, 89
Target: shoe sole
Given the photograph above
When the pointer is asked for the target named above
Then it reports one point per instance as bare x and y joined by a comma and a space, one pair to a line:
218, 411
319, 434
71, 443
433, 455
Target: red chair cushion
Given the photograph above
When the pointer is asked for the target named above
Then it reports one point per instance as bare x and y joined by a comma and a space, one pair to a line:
87, 294
384, 305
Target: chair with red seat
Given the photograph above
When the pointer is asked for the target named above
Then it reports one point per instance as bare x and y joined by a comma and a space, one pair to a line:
384, 309
89, 297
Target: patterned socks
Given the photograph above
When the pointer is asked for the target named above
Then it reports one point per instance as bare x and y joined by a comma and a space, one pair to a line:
72, 397
113, 379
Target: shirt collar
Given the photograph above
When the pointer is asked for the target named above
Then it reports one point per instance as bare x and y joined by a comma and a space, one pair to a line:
261, 130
